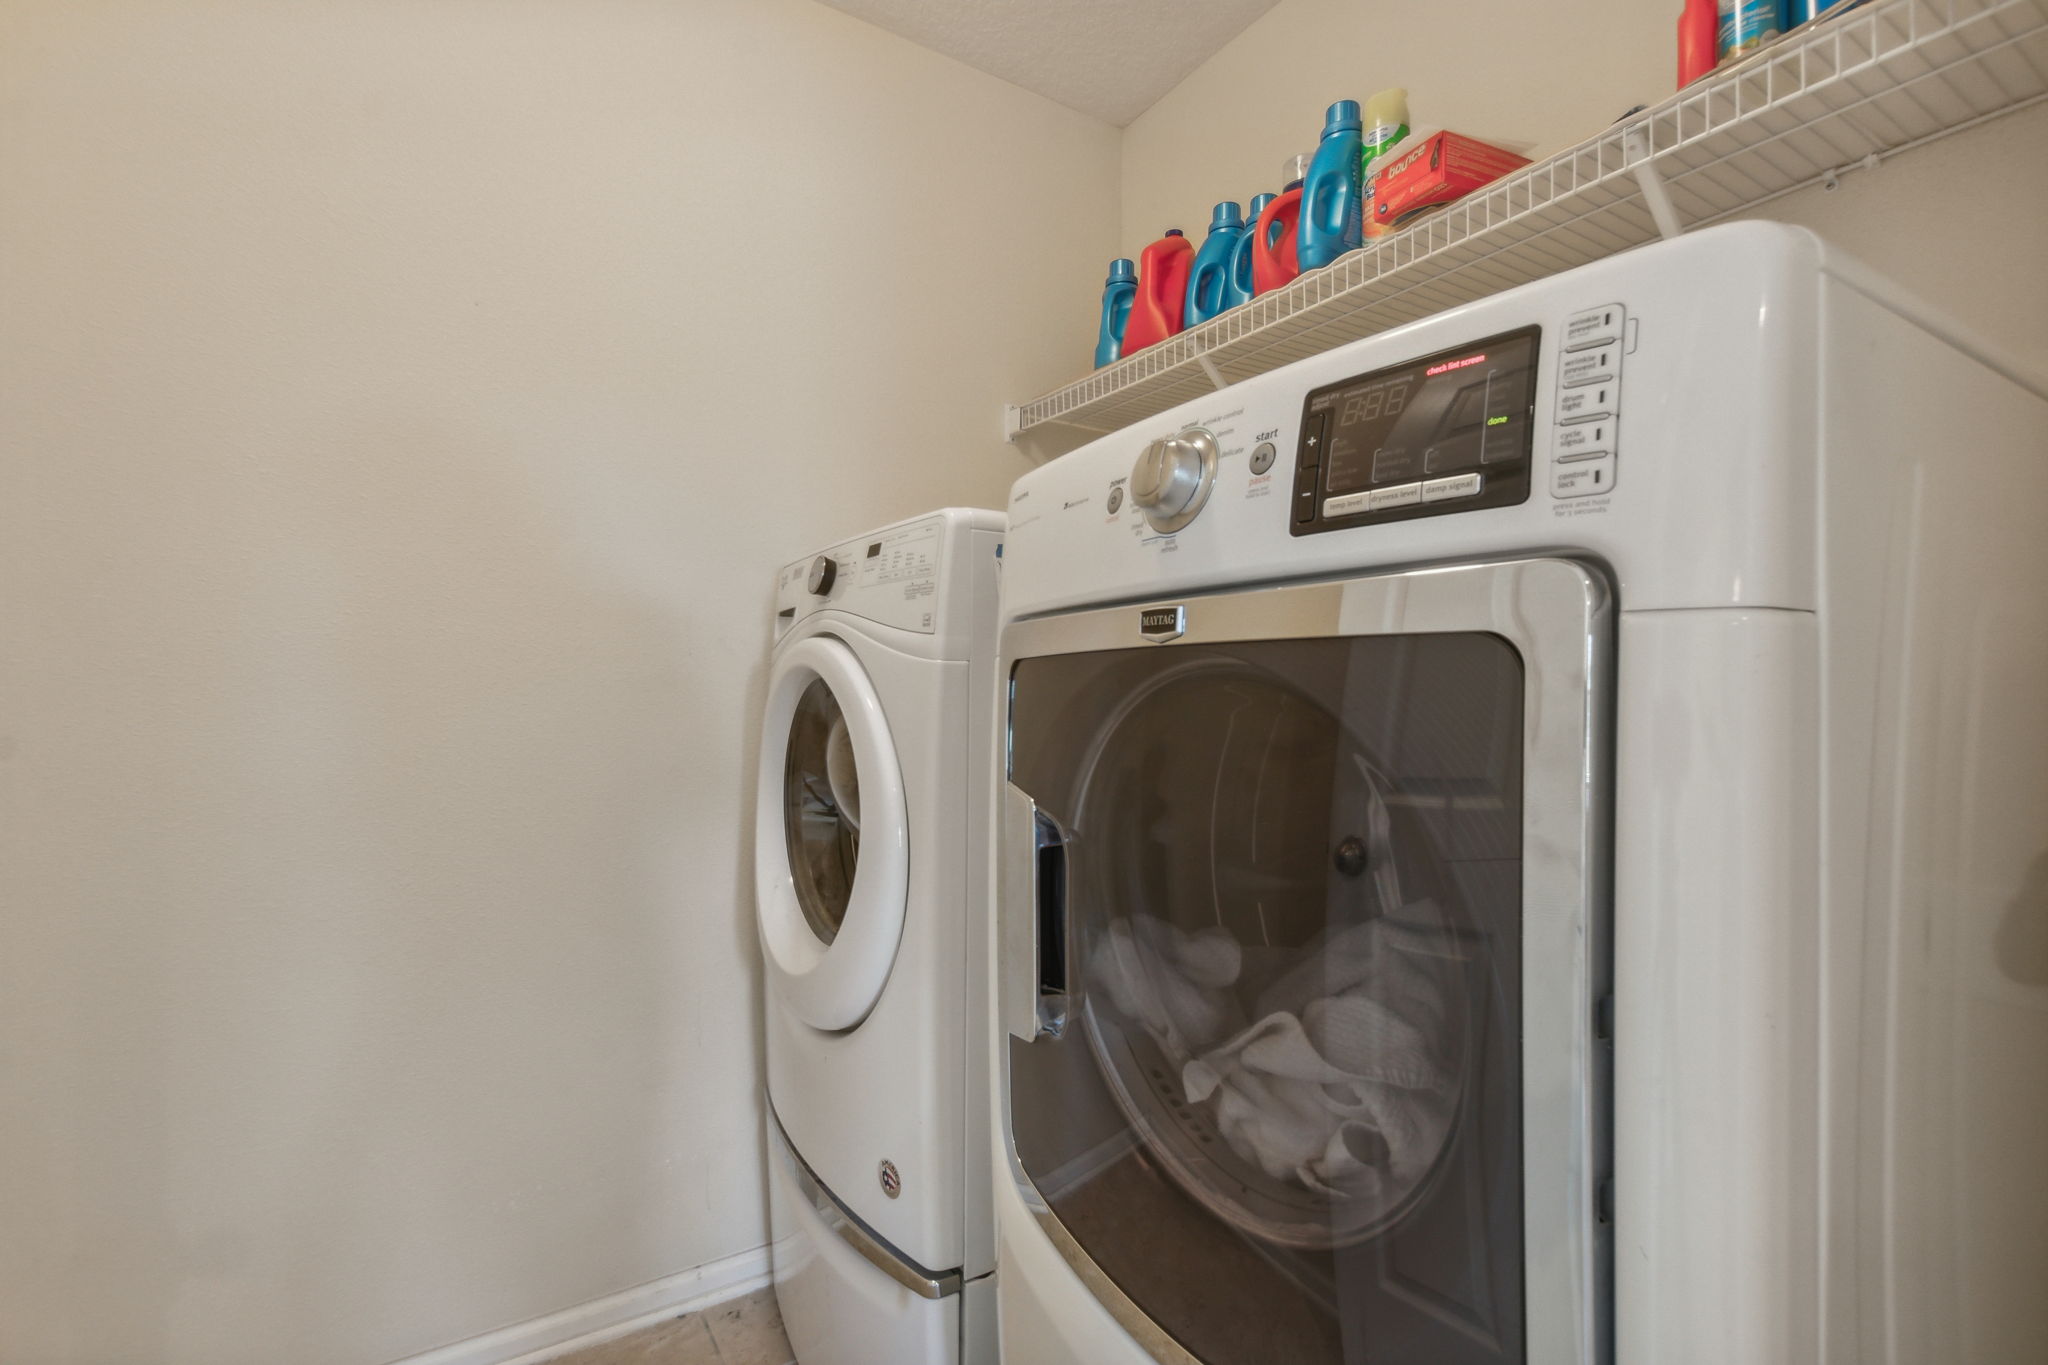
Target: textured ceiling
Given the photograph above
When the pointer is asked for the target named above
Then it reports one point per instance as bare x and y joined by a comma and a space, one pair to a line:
1109, 58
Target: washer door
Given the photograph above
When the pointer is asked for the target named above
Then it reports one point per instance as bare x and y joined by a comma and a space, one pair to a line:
831, 836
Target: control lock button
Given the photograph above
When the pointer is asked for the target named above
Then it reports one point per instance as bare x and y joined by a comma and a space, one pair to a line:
1595, 327
1586, 477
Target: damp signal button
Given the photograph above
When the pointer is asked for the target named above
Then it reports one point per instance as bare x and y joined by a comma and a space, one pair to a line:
1456, 486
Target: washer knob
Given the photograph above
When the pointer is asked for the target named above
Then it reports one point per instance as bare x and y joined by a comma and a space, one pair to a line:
1173, 477
823, 571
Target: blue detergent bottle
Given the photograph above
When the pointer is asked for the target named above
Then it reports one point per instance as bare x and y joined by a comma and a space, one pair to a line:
1332, 221
1117, 292
1209, 280
1237, 282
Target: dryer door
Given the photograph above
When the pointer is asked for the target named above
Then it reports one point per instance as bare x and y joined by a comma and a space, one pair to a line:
831, 836
1300, 908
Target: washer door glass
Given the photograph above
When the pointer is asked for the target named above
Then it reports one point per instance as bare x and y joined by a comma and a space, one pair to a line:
821, 809
1283, 1114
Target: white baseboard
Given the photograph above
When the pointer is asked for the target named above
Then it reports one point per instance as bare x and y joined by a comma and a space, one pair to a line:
588, 1324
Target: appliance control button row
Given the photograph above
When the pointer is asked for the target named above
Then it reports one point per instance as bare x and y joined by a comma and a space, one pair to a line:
1594, 473
1456, 486
1595, 327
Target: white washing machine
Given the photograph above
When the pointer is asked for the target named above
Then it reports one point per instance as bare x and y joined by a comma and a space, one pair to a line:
1526, 839
870, 884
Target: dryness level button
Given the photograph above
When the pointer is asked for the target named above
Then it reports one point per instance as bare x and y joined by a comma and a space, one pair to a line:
1346, 505
1595, 327
1456, 486
1583, 479
1589, 402
1589, 367
1400, 495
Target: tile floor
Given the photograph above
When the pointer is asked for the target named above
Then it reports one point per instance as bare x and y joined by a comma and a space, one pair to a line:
743, 1331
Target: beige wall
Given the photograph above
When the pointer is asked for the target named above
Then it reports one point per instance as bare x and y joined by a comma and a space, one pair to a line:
1963, 222
403, 408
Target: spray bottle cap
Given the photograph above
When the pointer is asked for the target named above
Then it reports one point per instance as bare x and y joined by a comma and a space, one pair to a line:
1293, 171
1122, 270
1342, 118
1258, 205
1228, 214
1175, 232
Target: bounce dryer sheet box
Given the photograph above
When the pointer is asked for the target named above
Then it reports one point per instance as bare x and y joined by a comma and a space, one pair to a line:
1425, 173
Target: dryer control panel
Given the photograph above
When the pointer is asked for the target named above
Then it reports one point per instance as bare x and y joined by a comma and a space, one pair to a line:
1446, 432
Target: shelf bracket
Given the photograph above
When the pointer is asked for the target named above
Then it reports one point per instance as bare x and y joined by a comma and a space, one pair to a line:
1635, 143
1013, 422
1215, 375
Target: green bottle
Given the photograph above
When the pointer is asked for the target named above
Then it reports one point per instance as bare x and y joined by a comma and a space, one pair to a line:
1386, 123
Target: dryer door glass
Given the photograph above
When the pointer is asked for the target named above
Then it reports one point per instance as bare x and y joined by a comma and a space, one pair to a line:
821, 809
1283, 1113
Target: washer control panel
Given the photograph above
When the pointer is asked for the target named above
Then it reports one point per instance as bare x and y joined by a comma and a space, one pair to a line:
891, 577
1447, 432
1584, 439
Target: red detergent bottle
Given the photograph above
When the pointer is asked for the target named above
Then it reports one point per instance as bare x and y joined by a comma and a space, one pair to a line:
1273, 260
1162, 291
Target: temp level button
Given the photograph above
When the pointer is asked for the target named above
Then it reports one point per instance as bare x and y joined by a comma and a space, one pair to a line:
1457, 486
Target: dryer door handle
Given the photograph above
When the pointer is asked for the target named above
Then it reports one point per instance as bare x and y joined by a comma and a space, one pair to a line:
1031, 909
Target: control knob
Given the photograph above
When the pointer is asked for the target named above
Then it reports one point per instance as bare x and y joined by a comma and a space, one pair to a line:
823, 571
1173, 477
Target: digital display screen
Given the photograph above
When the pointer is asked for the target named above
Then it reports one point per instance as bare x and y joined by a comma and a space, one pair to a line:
1450, 413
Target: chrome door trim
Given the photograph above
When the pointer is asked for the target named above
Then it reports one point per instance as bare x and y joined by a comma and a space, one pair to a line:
872, 1246
1558, 615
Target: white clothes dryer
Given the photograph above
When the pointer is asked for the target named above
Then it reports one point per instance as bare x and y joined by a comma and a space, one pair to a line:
870, 873
1524, 838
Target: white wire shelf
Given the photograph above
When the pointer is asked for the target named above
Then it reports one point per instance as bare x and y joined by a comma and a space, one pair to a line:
1836, 94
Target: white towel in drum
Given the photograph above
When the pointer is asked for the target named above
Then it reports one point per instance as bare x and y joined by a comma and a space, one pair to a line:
1173, 984
1338, 1083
